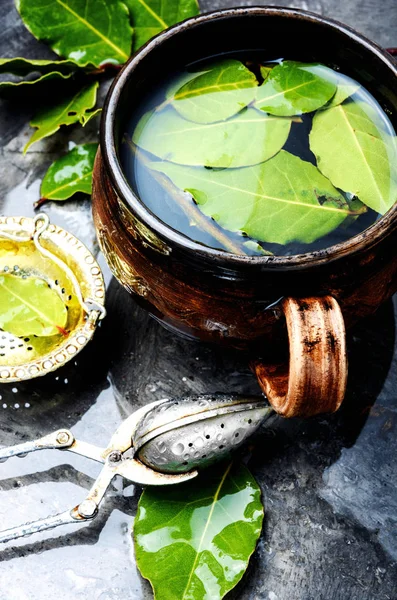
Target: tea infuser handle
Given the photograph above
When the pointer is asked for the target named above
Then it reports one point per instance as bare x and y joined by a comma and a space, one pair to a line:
66, 518
87, 510
61, 439
314, 382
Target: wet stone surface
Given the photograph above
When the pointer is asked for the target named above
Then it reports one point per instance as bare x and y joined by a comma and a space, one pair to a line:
329, 484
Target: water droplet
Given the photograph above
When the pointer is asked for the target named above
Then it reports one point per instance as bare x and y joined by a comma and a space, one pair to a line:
161, 447
178, 448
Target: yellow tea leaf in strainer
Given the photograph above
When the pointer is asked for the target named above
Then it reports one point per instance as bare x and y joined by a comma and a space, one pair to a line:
37, 248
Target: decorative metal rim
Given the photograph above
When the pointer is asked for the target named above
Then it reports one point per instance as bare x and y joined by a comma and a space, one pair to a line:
84, 332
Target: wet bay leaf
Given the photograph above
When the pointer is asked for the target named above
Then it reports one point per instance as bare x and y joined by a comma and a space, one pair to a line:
73, 108
356, 154
194, 541
265, 71
345, 86
217, 94
70, 174
9, 86
246, 139
294, 88
29, 307
282, 200
150, 17
343, 92
97, 32
24, 66
45, 69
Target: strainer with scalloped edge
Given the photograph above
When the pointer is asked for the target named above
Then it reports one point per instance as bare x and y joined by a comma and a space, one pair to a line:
35, 247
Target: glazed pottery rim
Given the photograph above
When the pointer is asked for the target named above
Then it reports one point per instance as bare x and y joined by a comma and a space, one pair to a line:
364, 240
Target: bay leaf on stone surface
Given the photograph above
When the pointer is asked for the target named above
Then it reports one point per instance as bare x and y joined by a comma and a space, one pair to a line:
45, 70
225, 89
356, 154
246, 139
294, 88
150, 17
70, 174
29, 307
10, 86
282, 200
24, 66
194, 541
73, 108
97, 32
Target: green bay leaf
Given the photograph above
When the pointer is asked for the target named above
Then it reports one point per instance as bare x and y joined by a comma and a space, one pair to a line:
70, 174
46, 70
356, 154
246, 139
73, 108
194, 541
225, 89
96, 32
10, 86
24, 66
265, 71
282, 200
29, 307
345, 86
150, 17
294, 88
343, 92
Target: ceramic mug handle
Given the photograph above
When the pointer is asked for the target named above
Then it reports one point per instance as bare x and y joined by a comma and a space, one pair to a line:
314, 382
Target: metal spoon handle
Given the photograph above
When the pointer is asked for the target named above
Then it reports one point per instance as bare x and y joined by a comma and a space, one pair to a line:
65, 518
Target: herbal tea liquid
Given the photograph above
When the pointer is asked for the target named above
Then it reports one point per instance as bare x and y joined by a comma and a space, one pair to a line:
262, 158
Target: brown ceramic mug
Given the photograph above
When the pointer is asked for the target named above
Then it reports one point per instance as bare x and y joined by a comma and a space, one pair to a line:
253, 303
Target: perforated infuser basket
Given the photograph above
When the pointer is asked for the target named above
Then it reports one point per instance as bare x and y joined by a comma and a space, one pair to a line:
37, 248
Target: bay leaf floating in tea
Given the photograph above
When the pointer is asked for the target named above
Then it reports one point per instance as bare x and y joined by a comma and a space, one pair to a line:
246, 139
276, 201
284, 157
356, 154
28, 306
216, 94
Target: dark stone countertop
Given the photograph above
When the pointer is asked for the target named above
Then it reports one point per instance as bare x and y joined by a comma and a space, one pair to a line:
329, 484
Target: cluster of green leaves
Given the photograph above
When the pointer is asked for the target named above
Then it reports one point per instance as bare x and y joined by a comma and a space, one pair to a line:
90, 37
218, 519
220, 135
28, 306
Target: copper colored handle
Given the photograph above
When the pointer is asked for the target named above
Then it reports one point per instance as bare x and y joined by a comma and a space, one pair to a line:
314, 382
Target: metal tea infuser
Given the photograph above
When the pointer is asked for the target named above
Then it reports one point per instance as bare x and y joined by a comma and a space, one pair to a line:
165, 443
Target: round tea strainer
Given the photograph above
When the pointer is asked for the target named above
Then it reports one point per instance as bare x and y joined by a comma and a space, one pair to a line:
35, 247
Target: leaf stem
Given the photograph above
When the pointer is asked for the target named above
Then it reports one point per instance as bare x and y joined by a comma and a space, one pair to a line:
189, 207
40, 203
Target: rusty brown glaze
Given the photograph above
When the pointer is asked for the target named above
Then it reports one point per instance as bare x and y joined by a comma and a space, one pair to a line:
317, 367
231, 299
